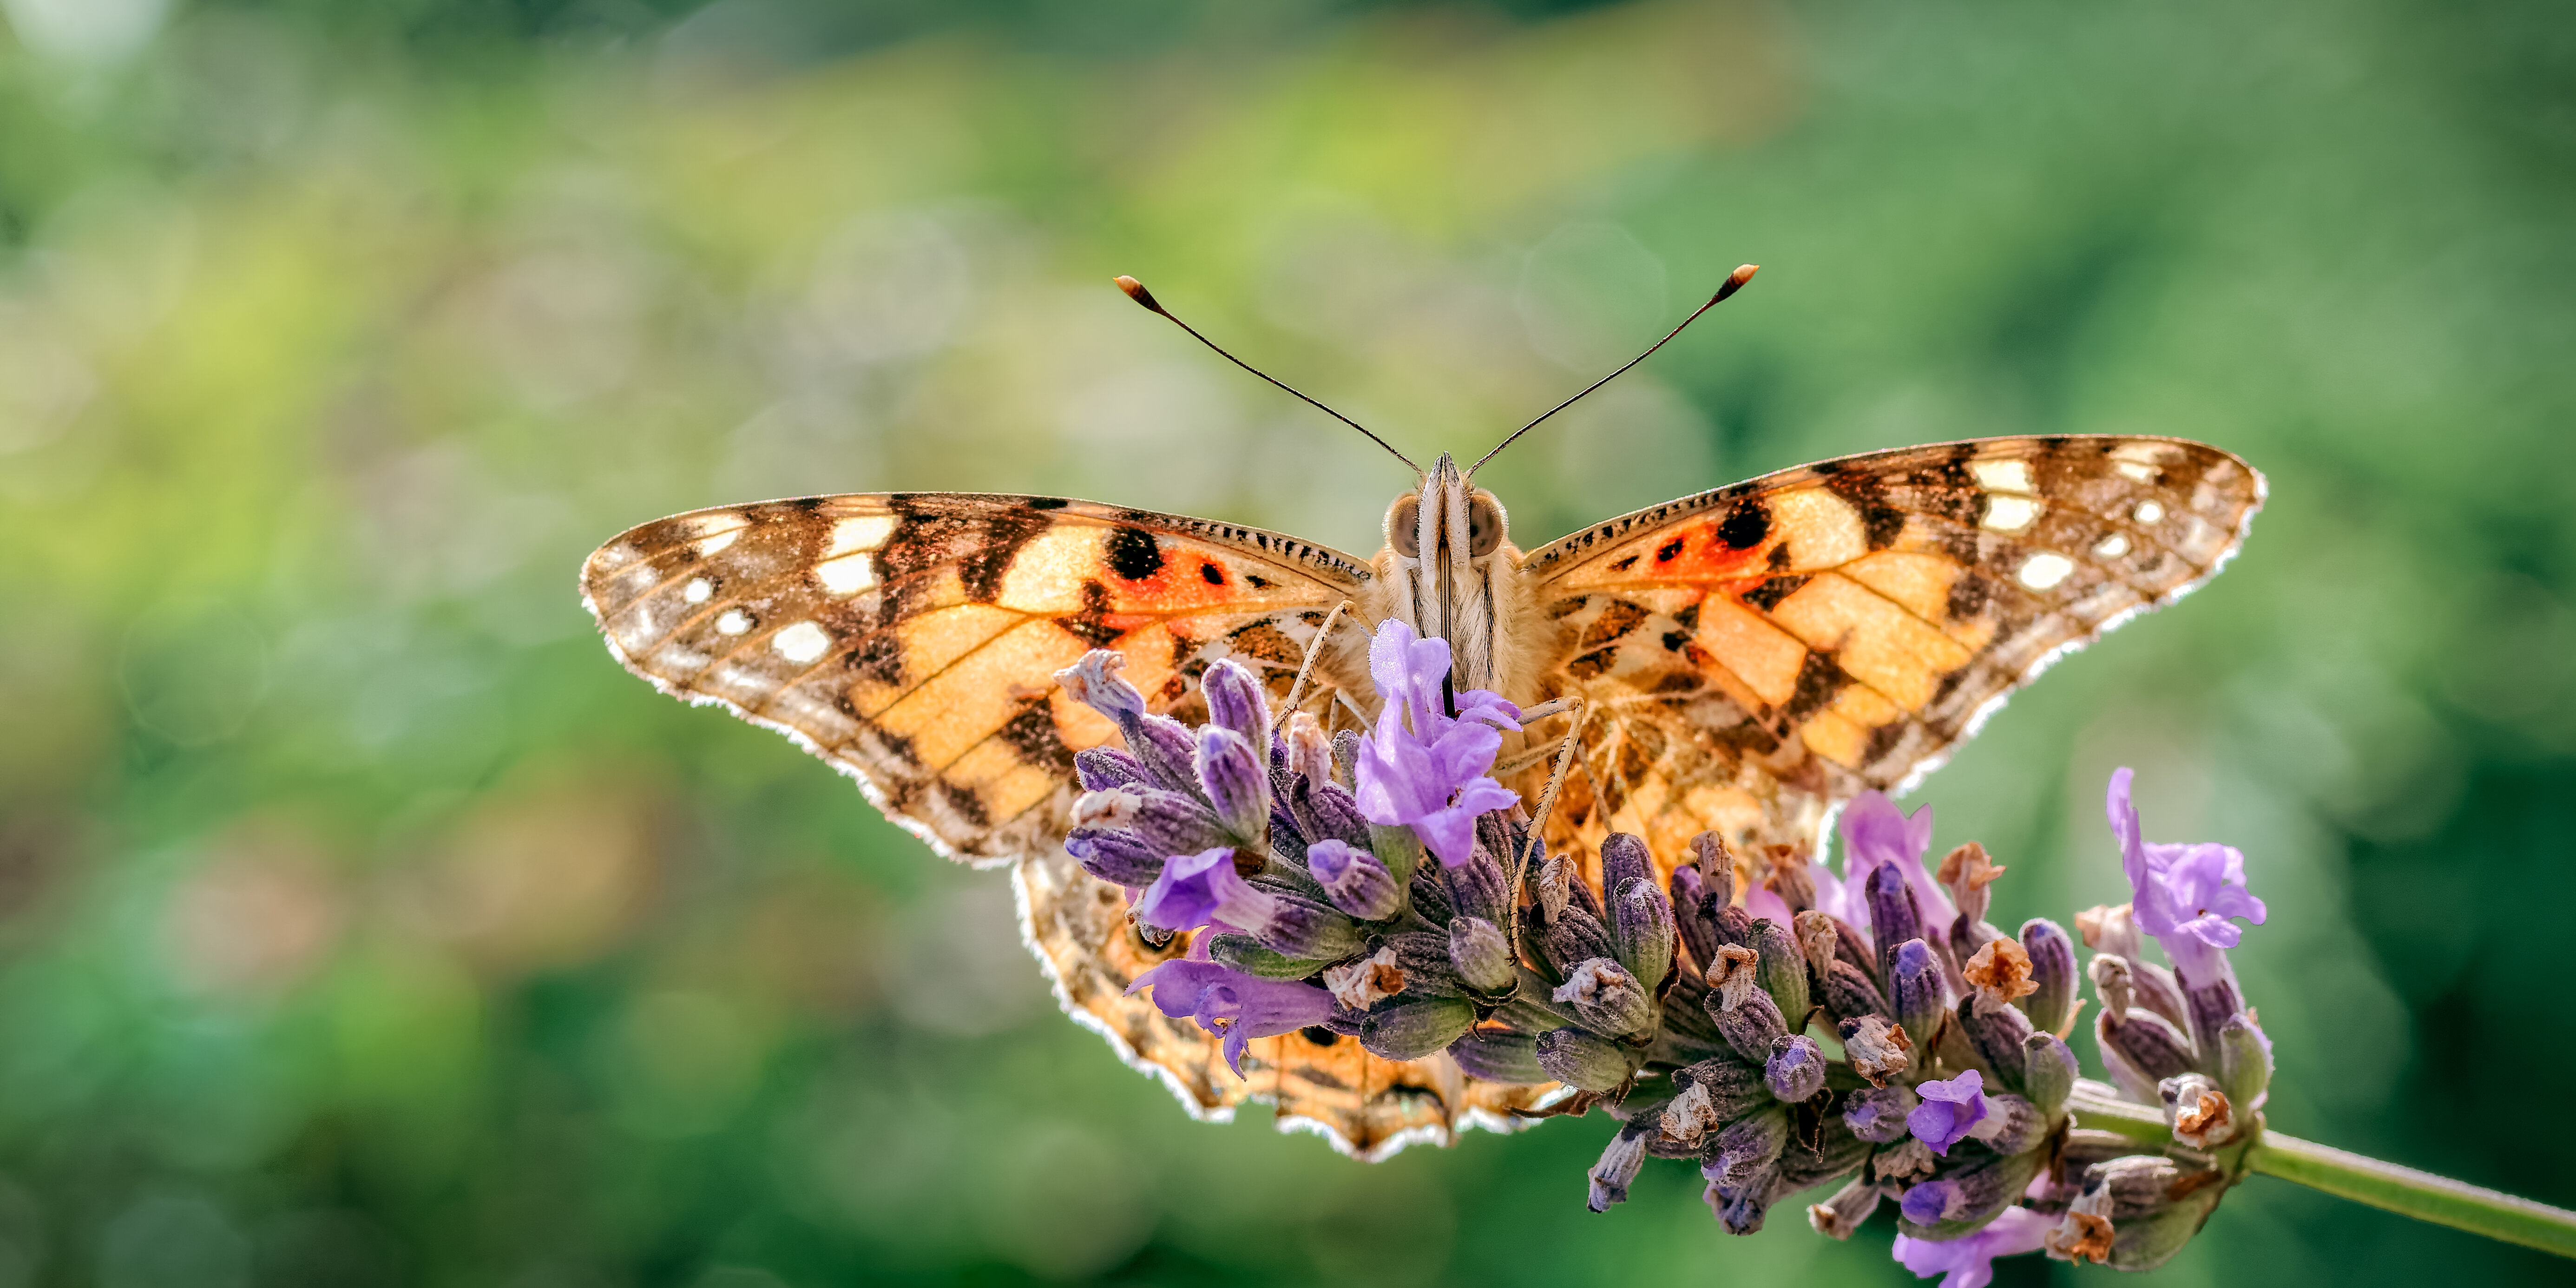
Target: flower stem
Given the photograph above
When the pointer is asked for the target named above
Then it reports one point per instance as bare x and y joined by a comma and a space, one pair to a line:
2387, 1186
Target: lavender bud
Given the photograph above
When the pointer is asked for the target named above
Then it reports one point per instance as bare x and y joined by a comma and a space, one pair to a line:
1709, 1095
1482, 959
1973, 1195
1359, 985
2012, 1124
1997, 1035
1310, 753
2051, 1001
1967, 871
1849, 994
1575, 937
1167, 751
1252, 957
1740, 1209
1782, 970
1619, 1165
2150, 1043
1410, 1027
1796, 1069
1235, 780
1624, 859
1101, 768
2156, 989
1235, 701
1833, 1152
1354, 880
1326, 810
1916, 990
1423, 956
2209, 1006
2112, 930
2048, 1071
1894, 916
1580, 1060
1746, 1147
1170, 821
1499, 1057
1430, 894
1302, 928
1690, 920
1607, 998
1478, 887
1641, 928
1116, 855
2199, 1112
2132, 1185
1716, 865
1837, 1217
1878, 1114
1877, 1049
1750, 1025
1346, 753
2244, 1061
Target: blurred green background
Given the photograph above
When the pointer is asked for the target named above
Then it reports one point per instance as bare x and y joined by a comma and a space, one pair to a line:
362, 923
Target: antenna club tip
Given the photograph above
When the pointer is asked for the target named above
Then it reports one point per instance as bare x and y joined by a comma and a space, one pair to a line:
1735, 281
1136, 291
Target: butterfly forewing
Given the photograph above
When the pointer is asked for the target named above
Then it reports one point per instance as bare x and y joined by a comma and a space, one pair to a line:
1757, 654
911, 639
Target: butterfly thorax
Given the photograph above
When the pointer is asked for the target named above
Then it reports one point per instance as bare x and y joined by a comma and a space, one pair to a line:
1448, 571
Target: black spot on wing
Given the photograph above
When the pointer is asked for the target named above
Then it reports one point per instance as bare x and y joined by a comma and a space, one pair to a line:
1768, 595
1747, 522
1592, 664
1047, 503
1032, 734
1968, 596
1134, 554
1671, 549
1688, 618
1819, 679
1879, 520
1211, 574
1090, 624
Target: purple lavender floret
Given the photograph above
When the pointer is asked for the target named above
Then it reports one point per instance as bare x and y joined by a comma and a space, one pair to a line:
1950, 1110
1234, 1005
1969, 1262
1421, 767
1197, 888
2186, 895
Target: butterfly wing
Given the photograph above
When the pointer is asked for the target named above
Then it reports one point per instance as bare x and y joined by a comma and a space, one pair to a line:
1755, 655
911, 640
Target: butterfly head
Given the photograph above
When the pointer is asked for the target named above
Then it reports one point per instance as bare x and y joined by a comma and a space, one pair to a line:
1445, 553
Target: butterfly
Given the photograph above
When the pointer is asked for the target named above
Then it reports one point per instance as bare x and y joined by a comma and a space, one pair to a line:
1742, 659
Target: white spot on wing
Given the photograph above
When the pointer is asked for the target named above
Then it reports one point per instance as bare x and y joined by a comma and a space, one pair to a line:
698, 591
734, 622
2009, 513
2150, 512
801, 643
867, 532
715, 545
849, 574
2139, 470
2002, 476
2112, 546
2045, 569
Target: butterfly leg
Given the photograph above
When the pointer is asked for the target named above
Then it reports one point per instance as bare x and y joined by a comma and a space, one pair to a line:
1536, 756
1306, 668
1546, 803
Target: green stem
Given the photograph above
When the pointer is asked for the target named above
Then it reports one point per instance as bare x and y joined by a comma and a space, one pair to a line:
2387, 1186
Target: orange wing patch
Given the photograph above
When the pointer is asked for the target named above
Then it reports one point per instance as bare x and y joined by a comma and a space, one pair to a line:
1756, 655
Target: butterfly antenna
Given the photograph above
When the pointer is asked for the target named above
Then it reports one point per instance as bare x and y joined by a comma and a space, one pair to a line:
1734, 282
1136, 291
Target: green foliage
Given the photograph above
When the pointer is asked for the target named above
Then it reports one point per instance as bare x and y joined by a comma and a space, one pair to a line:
361, 922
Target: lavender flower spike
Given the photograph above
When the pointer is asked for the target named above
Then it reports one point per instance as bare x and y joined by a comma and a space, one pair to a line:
2186, 894
1949, 1112
1970, 1262
1195, 888
1237, 1006
1421, 767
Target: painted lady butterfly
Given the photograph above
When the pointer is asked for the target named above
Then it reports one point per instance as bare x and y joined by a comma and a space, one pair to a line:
1747, 658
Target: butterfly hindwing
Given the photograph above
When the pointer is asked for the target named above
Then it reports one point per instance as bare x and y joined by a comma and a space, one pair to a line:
1754, 655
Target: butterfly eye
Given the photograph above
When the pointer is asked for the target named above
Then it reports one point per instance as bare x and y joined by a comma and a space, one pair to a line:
1404, 526
1484, 525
